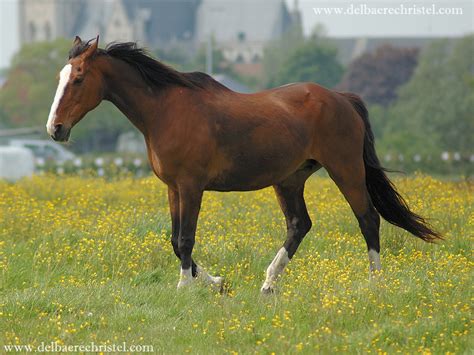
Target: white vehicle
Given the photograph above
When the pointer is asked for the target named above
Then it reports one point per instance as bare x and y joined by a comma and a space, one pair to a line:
44, 149
16, 162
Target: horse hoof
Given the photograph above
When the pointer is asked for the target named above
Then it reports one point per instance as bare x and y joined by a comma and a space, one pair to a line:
217, 283
267, 290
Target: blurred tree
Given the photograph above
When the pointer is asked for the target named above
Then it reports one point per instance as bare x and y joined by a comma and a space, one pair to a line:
175, 57
4, 120
277, 52
31, 82
376, 76
29, 91
313, 60
178, 58
436, 107
219, 64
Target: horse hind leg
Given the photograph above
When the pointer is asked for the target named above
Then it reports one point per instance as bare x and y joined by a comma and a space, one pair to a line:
291, 200
350, 179
369, 225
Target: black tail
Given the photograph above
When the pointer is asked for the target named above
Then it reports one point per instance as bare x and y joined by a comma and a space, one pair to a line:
388, 202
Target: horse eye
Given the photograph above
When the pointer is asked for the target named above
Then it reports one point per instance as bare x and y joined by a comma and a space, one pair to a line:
78, 80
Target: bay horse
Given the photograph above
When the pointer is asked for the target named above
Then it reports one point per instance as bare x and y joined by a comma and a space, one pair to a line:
202, 136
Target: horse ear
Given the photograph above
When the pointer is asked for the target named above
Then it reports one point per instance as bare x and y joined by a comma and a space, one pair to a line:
77, 41
92, 48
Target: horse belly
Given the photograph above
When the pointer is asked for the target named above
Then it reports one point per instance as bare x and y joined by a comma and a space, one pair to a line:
233, 181
249, 172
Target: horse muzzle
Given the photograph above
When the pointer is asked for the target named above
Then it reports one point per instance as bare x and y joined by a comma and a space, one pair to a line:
60, 133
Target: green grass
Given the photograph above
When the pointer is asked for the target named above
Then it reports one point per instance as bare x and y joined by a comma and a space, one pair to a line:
85, 260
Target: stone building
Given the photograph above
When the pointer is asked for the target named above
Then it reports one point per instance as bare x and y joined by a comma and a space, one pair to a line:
44, 20
242, 28
153, 23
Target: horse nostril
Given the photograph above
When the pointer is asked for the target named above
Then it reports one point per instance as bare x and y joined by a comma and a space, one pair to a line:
60, 132
57, 128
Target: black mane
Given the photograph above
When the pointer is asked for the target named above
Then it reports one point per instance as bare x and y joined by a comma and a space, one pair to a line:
155, 73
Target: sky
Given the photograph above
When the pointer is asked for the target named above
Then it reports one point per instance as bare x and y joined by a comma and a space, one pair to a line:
368, 24
347, 24
8, 31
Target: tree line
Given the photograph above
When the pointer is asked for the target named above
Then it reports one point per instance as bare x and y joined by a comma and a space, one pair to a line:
421, 102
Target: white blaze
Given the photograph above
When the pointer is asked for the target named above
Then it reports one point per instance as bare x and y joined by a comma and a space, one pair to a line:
63, 80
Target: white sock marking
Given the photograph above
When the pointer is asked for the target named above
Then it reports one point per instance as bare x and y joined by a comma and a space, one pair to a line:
374, 261
207, 277
63, 80
185, 277
276, 268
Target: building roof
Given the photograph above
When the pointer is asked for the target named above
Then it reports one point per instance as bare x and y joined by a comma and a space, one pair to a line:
93, 18
168, 19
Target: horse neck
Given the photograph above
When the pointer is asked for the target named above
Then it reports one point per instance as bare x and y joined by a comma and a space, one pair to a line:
126, 89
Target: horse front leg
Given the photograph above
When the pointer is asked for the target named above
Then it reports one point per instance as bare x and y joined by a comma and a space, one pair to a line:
173, 199
290, 195
189, 206
291, 200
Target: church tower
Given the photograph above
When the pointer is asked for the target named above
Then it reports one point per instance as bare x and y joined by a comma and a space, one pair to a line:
297, 24
45, 20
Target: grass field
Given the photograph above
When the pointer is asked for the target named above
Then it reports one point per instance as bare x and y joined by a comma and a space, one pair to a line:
86, 260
